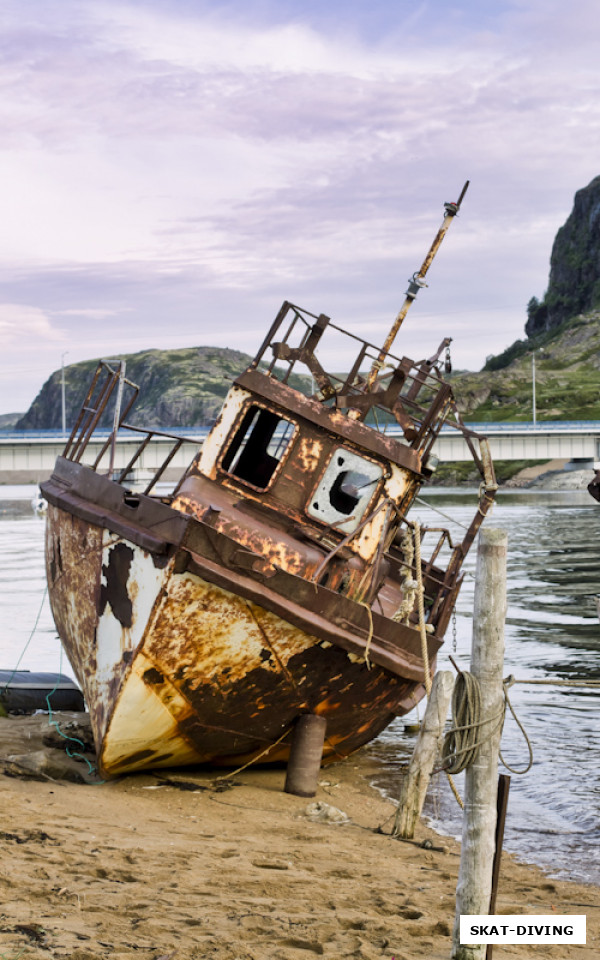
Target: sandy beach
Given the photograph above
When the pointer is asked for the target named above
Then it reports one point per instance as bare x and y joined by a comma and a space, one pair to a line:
141, 868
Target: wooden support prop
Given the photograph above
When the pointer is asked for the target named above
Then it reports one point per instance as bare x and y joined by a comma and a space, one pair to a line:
306, 753
487, 662
427, 748
503, 789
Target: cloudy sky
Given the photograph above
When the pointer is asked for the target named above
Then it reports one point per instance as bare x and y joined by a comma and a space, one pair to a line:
173, 169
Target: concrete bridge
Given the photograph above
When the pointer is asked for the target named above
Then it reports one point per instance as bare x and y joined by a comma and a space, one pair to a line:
578, 441
28, 457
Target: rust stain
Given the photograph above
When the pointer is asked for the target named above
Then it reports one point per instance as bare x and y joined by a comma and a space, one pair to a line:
309, 454
224, 711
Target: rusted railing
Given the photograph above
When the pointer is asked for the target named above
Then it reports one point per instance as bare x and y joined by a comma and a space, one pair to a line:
411, 395
440, 583
96, 407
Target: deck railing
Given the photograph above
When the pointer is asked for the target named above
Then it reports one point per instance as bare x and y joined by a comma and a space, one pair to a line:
411, 395
111, 384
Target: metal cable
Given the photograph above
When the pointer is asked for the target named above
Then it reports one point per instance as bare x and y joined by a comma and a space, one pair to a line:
31, 635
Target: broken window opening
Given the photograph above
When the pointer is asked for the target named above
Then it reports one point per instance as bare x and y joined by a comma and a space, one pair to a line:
258, 446
345, 490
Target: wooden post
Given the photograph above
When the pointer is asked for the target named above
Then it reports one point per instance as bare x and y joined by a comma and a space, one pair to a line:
487, 662
427, 748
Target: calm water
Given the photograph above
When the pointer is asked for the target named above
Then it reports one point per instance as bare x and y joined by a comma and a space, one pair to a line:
23, 587
552, 631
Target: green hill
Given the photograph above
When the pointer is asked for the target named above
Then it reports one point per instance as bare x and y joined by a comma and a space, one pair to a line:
567, 375
8, 420
178, 388
187, 387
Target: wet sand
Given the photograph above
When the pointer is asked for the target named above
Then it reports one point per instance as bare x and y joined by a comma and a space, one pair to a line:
139, 868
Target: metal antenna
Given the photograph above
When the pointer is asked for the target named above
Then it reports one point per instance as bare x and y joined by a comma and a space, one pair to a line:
414, 285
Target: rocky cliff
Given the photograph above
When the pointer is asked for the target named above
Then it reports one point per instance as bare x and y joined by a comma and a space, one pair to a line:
574, 282
563, 332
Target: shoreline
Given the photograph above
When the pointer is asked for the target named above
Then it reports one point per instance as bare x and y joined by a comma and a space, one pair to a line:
530, 478
539, 474
537, 479
137, 867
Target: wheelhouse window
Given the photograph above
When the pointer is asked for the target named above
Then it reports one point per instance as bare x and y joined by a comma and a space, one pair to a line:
345, 490
258, 446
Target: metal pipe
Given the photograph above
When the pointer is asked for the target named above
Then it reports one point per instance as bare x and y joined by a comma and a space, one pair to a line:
92, 415
71, 445
533, 389
116, 417
163, 467
64, 408
306, 753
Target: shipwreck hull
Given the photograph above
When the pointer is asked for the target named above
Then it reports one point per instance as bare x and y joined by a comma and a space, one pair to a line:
185, 659
280, 576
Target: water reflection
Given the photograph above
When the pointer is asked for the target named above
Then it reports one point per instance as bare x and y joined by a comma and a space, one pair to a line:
23, 596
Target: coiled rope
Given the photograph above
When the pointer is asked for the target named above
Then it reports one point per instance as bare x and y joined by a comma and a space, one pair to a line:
464, 739
52, 722
460, 747
70, 752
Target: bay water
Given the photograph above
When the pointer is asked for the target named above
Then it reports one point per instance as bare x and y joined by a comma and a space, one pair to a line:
552, 632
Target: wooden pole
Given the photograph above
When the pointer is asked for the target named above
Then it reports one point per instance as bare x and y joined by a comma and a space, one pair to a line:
487, 662
427, 748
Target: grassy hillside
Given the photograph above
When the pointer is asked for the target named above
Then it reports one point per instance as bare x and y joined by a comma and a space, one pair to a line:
8, 420
567, 366
178, 388
187, 387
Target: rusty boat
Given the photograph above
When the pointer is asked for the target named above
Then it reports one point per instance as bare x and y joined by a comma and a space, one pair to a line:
282, 574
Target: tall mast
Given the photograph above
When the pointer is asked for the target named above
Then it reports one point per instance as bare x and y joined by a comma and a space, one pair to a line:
415, 284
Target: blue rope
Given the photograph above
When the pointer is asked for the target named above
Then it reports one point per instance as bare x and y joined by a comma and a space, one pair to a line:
72, 754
